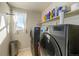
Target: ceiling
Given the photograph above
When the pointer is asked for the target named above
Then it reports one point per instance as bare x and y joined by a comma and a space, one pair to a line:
34, 6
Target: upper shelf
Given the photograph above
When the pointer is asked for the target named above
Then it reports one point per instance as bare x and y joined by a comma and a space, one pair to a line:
72, 13
68, 14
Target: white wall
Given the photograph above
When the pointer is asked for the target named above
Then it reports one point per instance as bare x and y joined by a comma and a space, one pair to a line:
4, 51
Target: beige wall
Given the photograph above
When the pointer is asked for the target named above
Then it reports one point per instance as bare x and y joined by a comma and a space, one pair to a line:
72, 20
5, 43
4, 47
32, 19
4, 7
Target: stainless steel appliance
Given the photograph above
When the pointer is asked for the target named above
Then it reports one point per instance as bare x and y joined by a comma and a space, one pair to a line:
59, 40
35, 37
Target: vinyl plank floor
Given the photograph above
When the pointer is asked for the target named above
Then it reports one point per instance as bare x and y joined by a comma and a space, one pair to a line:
26, 52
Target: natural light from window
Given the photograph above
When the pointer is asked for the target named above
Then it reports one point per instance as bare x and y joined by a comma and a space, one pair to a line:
2, 23
3, 31
19, 19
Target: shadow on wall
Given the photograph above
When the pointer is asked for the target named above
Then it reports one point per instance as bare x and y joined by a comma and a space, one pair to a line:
4, 47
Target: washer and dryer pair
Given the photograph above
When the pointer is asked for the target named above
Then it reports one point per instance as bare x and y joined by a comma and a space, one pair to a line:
59, 40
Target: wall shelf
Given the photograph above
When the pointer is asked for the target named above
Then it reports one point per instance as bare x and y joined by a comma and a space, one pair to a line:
72, 13
68, 14
51, 20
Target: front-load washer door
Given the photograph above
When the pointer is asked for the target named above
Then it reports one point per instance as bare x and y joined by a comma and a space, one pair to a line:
49, 46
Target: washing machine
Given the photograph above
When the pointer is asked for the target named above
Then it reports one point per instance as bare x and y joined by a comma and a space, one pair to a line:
59, 40
35, 37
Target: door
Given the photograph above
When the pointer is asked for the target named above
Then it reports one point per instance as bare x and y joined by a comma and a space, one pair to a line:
49, 46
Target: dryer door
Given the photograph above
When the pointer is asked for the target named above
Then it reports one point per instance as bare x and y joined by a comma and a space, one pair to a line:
49, 46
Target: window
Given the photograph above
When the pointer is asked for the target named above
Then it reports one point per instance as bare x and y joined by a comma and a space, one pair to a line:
19, 20
2, 22
3, 35
3, 31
